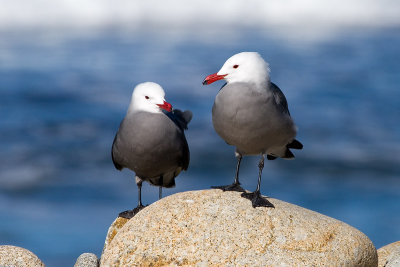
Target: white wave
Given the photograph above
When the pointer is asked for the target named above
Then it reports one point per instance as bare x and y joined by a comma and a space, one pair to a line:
22, 177
198, 16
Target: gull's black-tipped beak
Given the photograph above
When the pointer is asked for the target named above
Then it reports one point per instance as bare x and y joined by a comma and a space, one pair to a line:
165, 106
212, 78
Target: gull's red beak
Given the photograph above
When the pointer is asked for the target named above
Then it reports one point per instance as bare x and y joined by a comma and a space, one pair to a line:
212, 78
165, 106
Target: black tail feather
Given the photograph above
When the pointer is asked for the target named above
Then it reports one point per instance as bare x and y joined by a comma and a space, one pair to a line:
288, 154
295, 144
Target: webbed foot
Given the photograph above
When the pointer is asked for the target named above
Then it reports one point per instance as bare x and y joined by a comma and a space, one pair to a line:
128, 214
231, 187
257, 200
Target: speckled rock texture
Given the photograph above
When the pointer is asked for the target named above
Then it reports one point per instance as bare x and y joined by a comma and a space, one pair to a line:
18, 257
87, 260
117, 224
389, 255
211, 227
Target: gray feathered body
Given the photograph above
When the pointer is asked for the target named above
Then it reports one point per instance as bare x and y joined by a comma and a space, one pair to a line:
254, 120
151, 145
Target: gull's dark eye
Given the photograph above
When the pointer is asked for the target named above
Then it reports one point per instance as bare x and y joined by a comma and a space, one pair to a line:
235, 66
146, 97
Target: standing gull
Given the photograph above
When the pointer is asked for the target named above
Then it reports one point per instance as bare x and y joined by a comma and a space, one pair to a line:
150, 140
251, 113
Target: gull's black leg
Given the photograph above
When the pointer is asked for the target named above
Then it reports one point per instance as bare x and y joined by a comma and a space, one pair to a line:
159, 192
236, 185
256, 199
130, 213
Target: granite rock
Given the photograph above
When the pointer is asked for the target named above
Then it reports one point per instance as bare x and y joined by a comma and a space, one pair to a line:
211, 227
87, 260
117, 224
18, 257
389, 255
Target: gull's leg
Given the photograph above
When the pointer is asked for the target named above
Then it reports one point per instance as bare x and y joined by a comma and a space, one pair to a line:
256, 199
130, 213
236, 185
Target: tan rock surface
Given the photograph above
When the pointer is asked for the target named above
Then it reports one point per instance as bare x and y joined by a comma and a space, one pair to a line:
87, 260
18, 257
117, 224
212, 227
387, 253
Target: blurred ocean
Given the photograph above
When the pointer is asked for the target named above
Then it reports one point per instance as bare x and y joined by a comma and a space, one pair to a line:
66, 77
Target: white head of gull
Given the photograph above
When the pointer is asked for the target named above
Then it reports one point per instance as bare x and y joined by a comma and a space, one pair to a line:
248, 67
149, 97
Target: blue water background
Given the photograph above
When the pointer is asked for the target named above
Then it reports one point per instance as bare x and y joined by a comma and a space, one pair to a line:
62, 99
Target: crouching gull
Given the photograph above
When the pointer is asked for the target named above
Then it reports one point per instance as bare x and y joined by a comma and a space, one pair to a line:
151, 141
251, 113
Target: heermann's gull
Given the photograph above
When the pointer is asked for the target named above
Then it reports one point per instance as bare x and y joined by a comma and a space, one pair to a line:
150, 140
251, 113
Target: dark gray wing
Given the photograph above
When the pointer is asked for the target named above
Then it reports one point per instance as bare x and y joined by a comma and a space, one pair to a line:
281, 101
181, 119
186, 154
280, 98
117, 165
